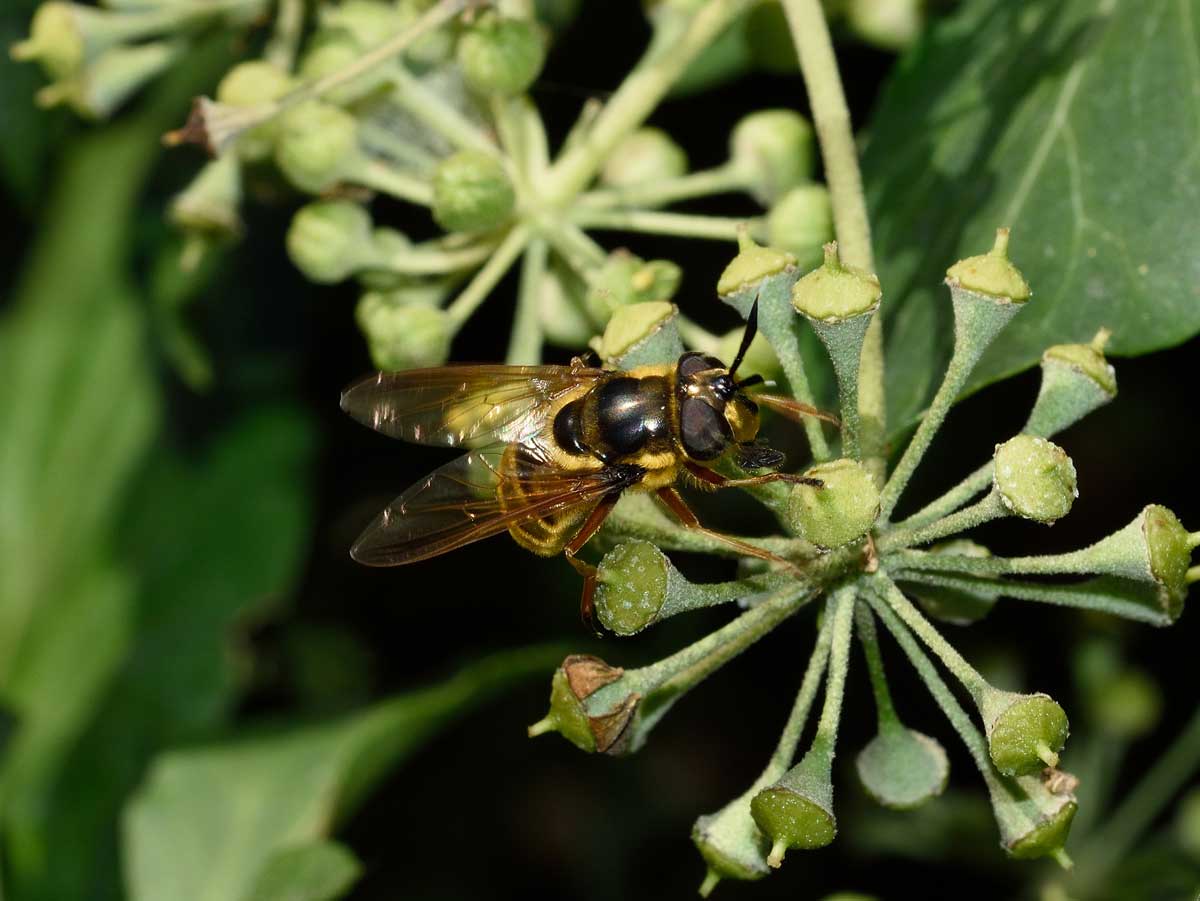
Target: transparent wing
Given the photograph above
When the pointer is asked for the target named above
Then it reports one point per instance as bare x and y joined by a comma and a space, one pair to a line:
476, 496
464, 406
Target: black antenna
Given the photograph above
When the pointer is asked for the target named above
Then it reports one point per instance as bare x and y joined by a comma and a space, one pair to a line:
747, 337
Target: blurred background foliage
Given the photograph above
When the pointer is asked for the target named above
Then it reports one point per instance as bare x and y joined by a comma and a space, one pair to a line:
202, 697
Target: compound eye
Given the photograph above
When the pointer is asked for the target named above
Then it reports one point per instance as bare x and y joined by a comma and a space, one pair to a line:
689, 365
703, 429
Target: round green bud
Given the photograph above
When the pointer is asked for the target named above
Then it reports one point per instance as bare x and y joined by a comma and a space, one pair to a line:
633, 325
631, 586
433, 48
1169, 549
752, 264
1087, 359
835, 292
210, 203
500, 55
368, 22
561, 310
840, 512
901, 768
774, 149
330, 51
329, 240
801, 222
1047, 838
252, 84
58, 38
471, 192
1035, 478
1024, 732
624, 279
797, 811
316, 143
891, 24
991, 273
375, 272
646, 156
760, 357
404, 336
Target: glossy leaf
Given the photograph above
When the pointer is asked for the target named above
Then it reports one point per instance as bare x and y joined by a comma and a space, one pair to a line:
1076, 123
208, 819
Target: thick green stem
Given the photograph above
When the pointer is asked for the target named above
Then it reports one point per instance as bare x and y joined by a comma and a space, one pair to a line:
489, 276
432, 111
285, 37
952, 499
988, 509
653, 222
525, 345
380, 176
434, 258
635, 99
884, 708
831, 116
842, 612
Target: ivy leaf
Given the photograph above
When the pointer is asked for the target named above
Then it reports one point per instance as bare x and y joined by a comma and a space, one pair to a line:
1075, 122
209, 819
318, 871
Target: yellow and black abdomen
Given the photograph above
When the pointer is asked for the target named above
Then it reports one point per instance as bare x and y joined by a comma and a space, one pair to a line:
626, 418
517, 487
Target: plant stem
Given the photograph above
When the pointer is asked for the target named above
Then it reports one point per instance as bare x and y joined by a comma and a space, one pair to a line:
653, 222
432, 258
525, 345
639, 93
842, 602
785, 749
1109, 844
488, 276
884, 708
285, 37
579, 251
952, 499
721, 180
379, 140
432, 111
989, 508
955, 662
379, 176
831, 116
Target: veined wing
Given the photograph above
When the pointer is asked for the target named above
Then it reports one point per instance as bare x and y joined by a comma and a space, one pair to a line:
480, 494
464, 406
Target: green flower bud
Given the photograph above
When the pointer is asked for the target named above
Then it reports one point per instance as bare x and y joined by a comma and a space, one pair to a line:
901, 768
252, 84
639, 334
432, 49
500, 55
385, 244
835, 292
890, 24
1035, 478
111, 79
648, 155
209, 204
368, 22
1024, 732
1168, 547
316, 144
991, 274
564, 319
958, 606
331, 51
63, 37
797, 811
731, 844
1034, 822
774, 148
1076, 379
625, 279
844, 510
752, 265
760, 357
330, 240
631, 586
801, 222
1187, 823
404, 336
471, 192
579, 676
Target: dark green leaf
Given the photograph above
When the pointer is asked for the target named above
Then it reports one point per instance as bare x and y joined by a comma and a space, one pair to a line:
209, 818
1076, 123
317, 871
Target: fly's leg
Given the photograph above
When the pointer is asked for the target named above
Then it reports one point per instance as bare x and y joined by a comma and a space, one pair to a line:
717, 480
676, 504
589, 528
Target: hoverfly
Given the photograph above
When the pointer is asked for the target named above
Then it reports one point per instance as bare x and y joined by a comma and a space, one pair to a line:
552, 449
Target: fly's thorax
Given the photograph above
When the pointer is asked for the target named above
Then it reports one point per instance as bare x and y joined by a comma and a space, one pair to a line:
622, 418
713, 414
